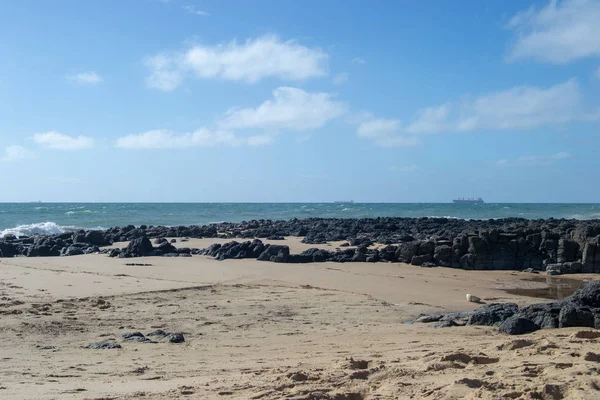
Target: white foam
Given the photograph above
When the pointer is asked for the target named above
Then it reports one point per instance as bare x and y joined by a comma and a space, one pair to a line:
42, 228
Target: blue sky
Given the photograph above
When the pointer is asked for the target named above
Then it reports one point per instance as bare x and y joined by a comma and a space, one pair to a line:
388, 101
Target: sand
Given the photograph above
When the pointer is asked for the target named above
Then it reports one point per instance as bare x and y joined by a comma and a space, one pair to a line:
259, 330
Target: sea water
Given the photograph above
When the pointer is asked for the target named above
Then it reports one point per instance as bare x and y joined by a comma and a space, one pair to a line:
38, 218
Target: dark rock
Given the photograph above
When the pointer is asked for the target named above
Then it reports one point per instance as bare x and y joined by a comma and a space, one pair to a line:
166, 247
444, 324
517, 325
492, 314
419, 260
103, 346
158, 332
96, 238
275, 253
176, 338
130, 335
588, 295
570, 316
71, 251
138, 247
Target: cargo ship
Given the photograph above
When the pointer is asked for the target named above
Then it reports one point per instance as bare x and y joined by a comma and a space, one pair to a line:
469, 201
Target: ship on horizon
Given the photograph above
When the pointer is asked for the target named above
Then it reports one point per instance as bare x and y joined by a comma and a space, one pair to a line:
469, 201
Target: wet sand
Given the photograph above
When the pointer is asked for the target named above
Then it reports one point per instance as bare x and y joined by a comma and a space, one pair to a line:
268, 331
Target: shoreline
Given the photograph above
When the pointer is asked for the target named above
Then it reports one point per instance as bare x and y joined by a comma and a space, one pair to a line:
552, 245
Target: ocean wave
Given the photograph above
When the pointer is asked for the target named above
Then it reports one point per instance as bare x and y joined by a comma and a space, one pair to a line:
79, 212
42, 228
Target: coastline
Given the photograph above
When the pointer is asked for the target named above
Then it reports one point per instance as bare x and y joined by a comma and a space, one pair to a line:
194, 312
262, 330
552, 245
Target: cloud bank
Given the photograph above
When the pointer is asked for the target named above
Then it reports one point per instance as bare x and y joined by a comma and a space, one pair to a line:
251, 61
58, 141
561, 32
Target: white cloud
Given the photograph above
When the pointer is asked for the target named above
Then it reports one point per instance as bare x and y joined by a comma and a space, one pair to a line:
521, 107
163, 139
561, 32
384, 132
341, 78
518, 108
251, 61
534, 161
407, 168
16, 153
358, 60
195, 11
58, 141
85, 78
291, 108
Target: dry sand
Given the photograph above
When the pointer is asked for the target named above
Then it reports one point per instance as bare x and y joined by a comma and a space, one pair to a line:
259, 330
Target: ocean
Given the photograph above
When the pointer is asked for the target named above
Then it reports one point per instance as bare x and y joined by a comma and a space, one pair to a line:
38, 218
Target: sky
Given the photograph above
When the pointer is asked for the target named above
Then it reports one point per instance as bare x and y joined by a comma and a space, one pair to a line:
299, 101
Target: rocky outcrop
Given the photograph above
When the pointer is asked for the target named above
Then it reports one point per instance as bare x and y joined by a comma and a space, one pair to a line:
555, 246
582, 309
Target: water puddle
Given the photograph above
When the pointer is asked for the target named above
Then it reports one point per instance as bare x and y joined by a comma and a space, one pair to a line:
546, 287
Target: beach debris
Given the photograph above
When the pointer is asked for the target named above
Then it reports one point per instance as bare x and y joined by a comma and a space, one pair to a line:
473, 299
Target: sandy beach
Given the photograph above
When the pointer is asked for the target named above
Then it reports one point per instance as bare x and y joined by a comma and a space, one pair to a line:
260, 330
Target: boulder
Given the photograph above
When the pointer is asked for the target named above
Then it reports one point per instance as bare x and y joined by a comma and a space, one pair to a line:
517, 325
492, 314
138, 247
275, 253
96, 238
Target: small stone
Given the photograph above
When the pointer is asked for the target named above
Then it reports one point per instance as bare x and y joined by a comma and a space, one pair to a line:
103, 346
298, 377
176, 338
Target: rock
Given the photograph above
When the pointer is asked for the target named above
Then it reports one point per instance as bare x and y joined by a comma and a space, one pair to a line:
132, 335
554, 269
492, 314
587, 295
298, 377
71, 251
103, 346
158, 332
419, 260
571, 315
138, 247
444, 324
442, 253
96, 238
517, 325
530, 271
275, 253
166, 247
176, 338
